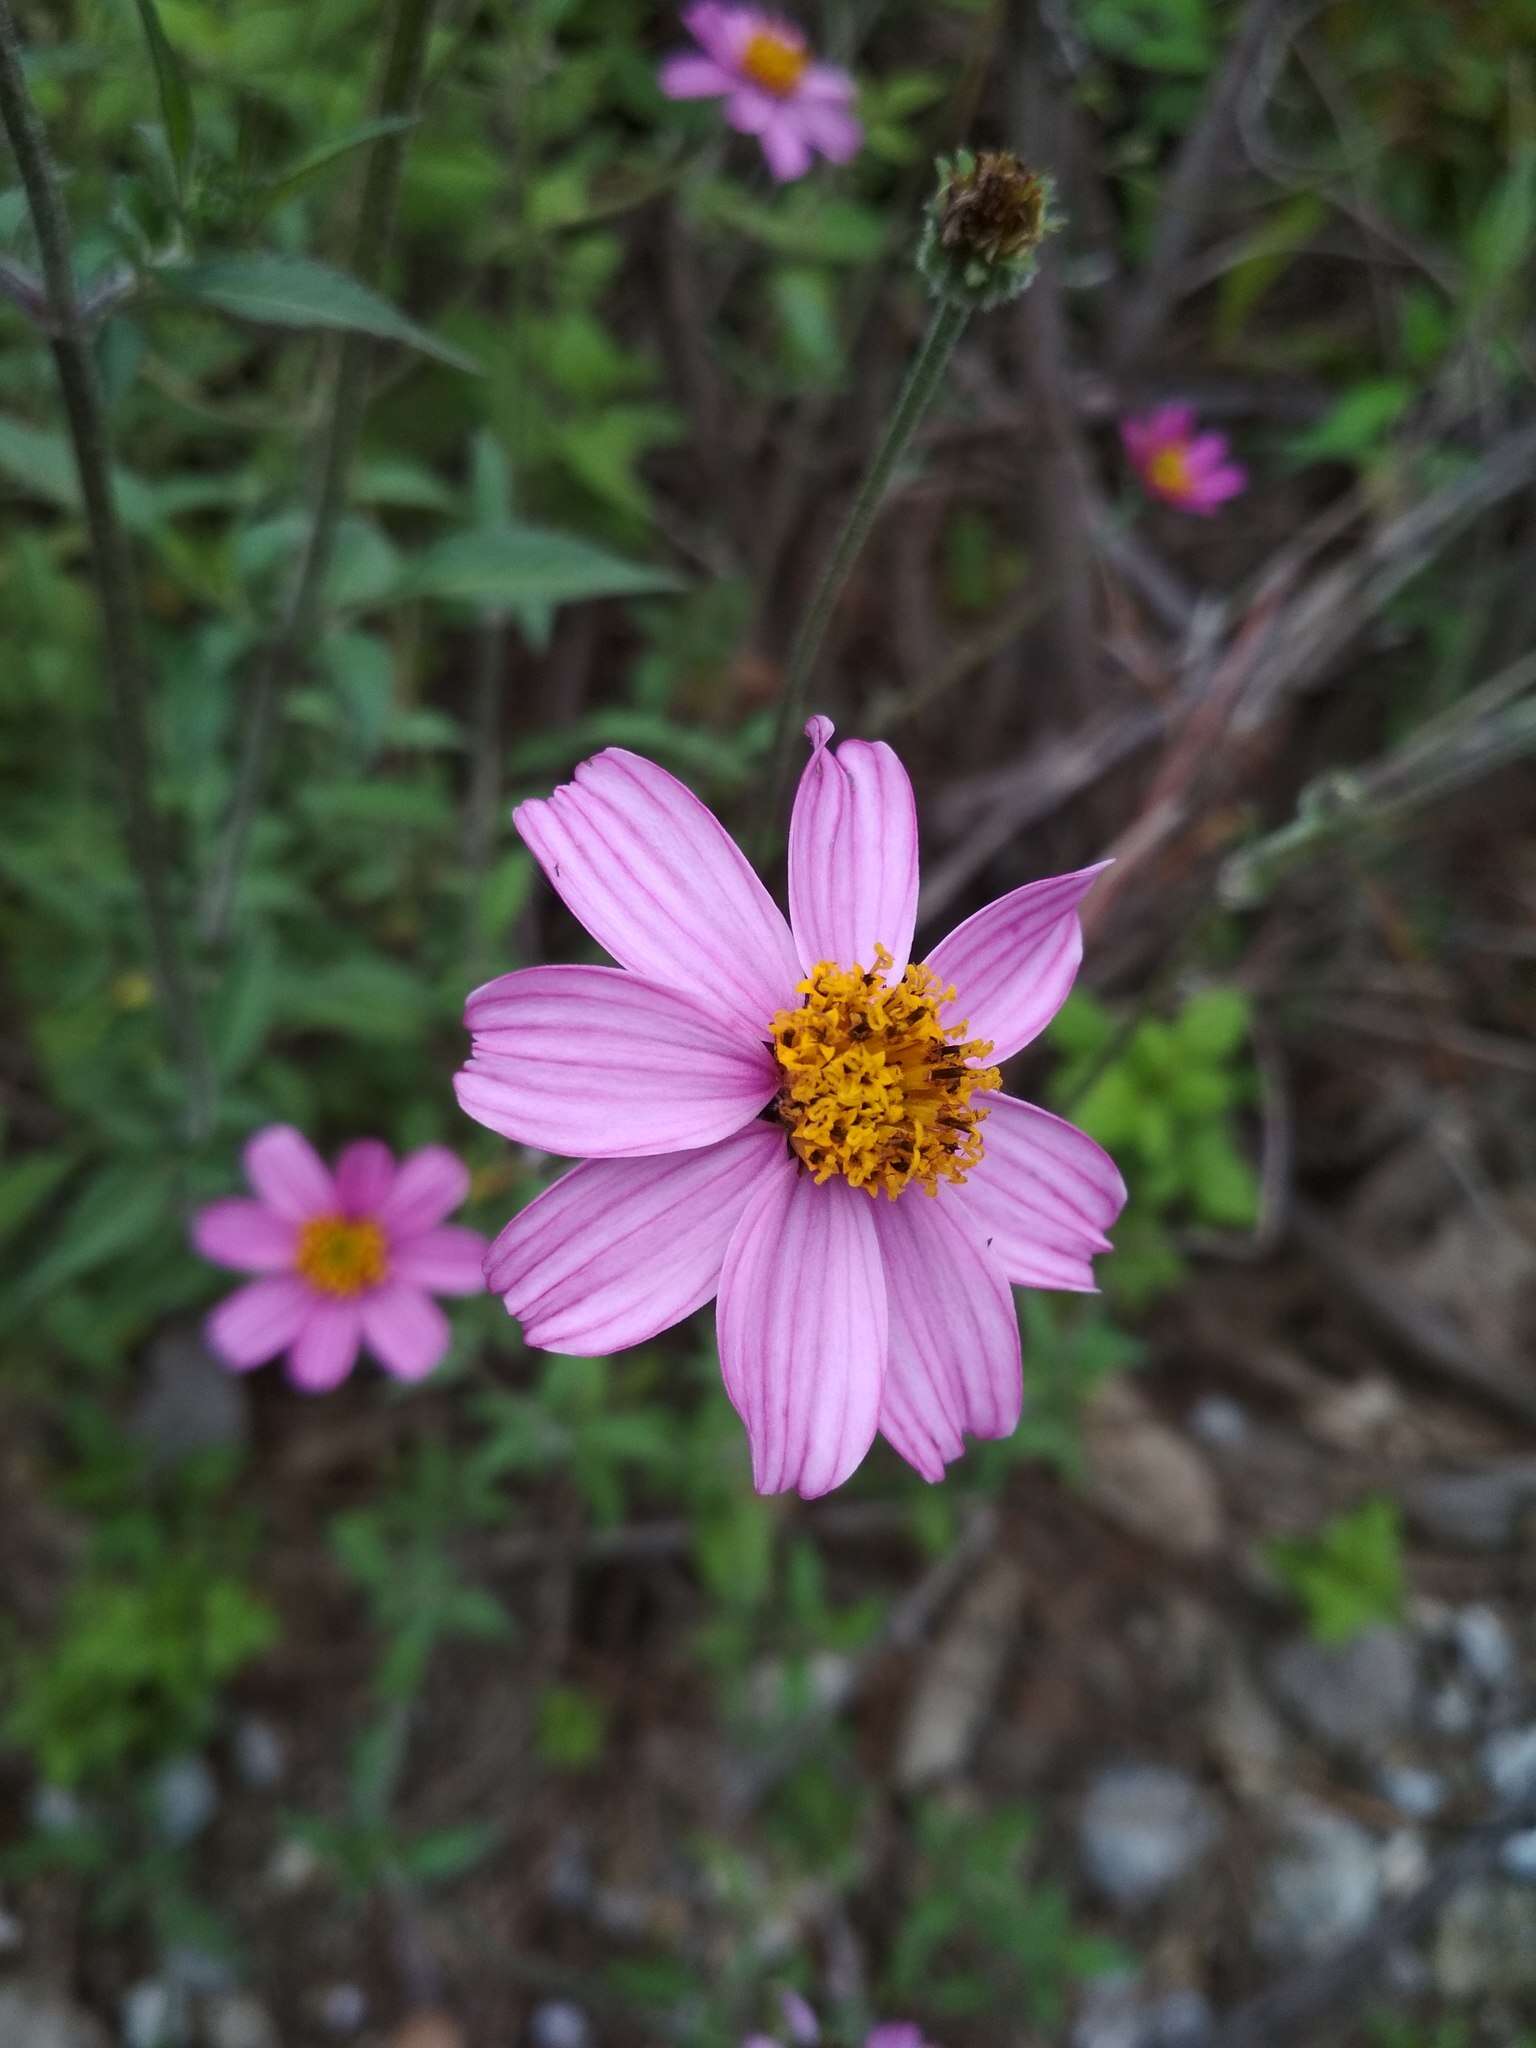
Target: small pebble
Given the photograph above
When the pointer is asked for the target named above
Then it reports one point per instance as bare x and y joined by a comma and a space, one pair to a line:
1220, 1421
1404, 1863
1417, 1794
559, 2024
185, 1797
1518, 1856
292, 1866
236, 2020
150, 2016
1452, 1708
56, 1811
261, 1757
343, 2007
1484, 1646
12, 1933
1182, 2019
1508, 1763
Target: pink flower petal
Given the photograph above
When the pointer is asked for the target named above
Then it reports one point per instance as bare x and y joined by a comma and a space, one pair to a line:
325, 1350
446, 1260
428, 1186
827, 85
288, 1174
852, 854
244, 1235
1216, 488
722, 31
663, 887
1205, 453
831, 131
404, 1329
620, 1249
1042, 1196
785, 148
365, 1173
256, 1322
802, 1329
1171, 422
954, 1361
1012, 965
689, 76
895, 2034
750, 110
800, 2019
597, 1063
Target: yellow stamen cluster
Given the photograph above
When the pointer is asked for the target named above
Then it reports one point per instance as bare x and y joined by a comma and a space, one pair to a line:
774, 63
875, 1087
1168, 469
341, 1257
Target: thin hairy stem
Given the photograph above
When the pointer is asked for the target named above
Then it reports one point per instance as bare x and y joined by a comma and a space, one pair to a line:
65, 324
923, 379
287, 650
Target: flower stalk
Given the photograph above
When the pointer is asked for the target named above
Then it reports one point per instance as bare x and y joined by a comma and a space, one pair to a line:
65, 322
287, 650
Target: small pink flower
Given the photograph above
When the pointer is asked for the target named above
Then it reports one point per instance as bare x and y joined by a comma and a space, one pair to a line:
740, 1089
761, 67
346, 1258
1183, 468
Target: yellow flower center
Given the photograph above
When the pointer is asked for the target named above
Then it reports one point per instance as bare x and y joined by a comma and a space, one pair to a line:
774, 62
1168, 471
875, 1087
340, 1257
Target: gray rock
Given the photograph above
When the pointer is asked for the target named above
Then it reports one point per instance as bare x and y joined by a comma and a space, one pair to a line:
1141, 1829
1219, 1421
559, 2024
32, 2017
185, 1797
1478, 1510
1417, 1794
1485, 1943
1508, 1763
1321, 1889
236, 2020
152, 2015
1517, 1856
1484, 1646
1109, 2013
261, 1756
343, 2007
202, 1971
1180, 2019
191, 1402
1452, 1708
12, 1933
1352, 1696
56, 1810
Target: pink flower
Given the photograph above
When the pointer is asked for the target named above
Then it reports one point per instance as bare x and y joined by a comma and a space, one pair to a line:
346, 1258
1183, 468
739, 1089
892, 2034
761, 67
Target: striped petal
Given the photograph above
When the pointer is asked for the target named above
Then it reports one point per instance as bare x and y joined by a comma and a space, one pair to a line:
288, 1174
256, 1322
244, 1235
1042, 1196
1013, 964
404, 1329
852, 854
596, 1063
325, 1350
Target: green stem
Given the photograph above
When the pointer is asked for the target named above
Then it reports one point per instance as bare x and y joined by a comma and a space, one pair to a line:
288, 649
928, 367
112, 570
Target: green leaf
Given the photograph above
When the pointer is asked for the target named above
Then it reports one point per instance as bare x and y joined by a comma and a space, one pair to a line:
286, 183
1356, 427
42, 464
1213, 1024
1349, 1575
502, 568
296, 291
26, 1184
175, 95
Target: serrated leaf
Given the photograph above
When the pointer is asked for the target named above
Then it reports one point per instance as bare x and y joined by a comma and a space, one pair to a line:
171, 85
503, 568
296, 291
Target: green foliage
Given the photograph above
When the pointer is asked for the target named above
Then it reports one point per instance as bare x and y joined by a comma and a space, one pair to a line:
976, 1935
1348, 1576
159, 1619
1162, 1097
573, 1728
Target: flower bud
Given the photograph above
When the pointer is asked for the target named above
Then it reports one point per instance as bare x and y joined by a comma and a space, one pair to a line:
985, 224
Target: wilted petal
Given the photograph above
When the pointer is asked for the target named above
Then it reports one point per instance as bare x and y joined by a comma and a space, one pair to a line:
1042, 1196
622, 1248
404, 1329
428, 1186
659, 882
244, 1235
852, 854
596, 1063
447, 1260
954, 1365
288, 1174
1012, 965
365, 1173
257, 1322
802, 1329
325, 1350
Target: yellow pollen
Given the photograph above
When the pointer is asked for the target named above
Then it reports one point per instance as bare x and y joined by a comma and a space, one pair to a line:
340, 1257
774, 62
874, 1087
1168, 470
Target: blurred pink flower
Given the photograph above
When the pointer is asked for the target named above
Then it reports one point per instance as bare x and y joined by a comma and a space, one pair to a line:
772, 88
345, 1258
1184, 468
892, 2034
739, 1088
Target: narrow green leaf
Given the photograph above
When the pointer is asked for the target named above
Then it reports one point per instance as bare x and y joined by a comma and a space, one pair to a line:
286, 183
175, 94
296, 291
502, 568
